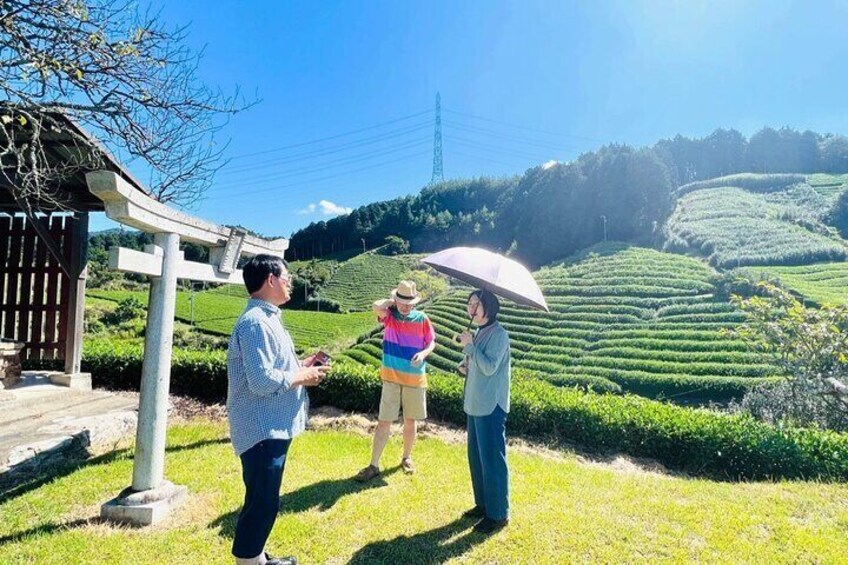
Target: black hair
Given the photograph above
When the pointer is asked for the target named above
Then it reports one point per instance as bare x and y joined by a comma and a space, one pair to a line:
491, 304
257, 269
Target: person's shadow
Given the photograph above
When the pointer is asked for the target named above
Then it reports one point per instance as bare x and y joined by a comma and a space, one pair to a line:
322, 495
434, 546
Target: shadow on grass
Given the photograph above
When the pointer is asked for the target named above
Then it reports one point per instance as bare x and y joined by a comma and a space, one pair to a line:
322, 496
49, 528
19, 482
433, 546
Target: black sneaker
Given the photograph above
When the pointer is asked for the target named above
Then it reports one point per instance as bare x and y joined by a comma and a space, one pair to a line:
271, 560
476, 512
489, 526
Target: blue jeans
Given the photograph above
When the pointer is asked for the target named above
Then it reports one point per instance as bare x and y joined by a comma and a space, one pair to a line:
262, 471
487, 460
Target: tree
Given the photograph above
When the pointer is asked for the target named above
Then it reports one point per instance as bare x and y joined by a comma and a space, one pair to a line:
117, 71
395, 245
811, 346
834, 154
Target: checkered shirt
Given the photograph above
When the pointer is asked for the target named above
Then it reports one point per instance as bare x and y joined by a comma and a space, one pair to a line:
261, 364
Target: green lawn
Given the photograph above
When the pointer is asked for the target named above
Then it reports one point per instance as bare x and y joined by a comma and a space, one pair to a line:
563, 510
216, 313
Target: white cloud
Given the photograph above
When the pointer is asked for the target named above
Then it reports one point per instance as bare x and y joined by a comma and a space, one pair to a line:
331, 209
326, 208
550, 164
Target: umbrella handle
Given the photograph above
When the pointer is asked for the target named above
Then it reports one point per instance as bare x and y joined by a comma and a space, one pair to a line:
467, 329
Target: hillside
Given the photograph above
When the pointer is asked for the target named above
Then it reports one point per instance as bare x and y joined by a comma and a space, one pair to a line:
358, 282
640, 318
749, 220
822, 283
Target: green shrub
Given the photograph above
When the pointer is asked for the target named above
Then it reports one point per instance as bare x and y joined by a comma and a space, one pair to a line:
698, 441
693, 440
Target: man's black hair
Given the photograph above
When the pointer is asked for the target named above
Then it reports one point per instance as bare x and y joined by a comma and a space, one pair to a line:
256, 270
490, 303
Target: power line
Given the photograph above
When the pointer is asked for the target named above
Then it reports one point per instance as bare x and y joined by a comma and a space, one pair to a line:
310, 182
321, 140
301, 171
523, 127
482, 158
498, 149
314, 154
516, 138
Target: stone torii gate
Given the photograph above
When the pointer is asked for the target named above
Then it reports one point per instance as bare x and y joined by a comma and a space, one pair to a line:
150, 496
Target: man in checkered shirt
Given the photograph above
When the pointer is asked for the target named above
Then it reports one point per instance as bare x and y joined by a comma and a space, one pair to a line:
266, 402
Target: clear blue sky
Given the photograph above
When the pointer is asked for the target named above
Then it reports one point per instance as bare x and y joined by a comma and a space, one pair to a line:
570, 75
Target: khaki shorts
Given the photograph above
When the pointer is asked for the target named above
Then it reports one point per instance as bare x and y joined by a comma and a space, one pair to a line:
413, 400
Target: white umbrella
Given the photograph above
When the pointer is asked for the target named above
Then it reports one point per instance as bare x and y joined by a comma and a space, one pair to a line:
489, 271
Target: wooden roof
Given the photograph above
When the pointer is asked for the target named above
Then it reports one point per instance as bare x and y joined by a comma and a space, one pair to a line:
60, 146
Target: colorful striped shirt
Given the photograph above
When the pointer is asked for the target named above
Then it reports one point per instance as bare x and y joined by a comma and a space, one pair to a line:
403, 337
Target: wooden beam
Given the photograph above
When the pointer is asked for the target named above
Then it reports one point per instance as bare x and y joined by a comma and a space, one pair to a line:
127, 205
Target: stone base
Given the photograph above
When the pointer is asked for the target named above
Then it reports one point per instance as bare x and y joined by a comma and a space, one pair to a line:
144, 508
78, 381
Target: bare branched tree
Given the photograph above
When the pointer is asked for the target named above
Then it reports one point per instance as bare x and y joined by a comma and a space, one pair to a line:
119, 72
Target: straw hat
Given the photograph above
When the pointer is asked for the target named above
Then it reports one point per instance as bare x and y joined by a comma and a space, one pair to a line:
406, 293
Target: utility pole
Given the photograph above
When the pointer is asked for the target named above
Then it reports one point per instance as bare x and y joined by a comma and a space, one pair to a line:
604, 218
363, 245
438, 176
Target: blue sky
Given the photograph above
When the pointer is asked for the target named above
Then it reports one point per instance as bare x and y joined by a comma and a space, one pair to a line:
521, 83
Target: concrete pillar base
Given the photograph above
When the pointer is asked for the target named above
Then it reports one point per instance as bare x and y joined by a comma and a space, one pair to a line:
77, 381
145, 507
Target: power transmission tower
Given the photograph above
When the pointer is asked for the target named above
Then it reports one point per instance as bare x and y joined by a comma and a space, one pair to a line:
437, 144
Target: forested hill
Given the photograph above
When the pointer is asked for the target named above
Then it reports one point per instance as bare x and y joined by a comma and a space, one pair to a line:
555, 209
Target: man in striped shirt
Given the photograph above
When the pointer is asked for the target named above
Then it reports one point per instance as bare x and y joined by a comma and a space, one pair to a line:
266, 403
408, 338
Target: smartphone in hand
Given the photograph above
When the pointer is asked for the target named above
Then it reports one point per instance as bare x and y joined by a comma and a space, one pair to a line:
319, 359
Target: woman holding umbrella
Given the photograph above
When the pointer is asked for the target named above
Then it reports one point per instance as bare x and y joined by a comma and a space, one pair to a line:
487, 369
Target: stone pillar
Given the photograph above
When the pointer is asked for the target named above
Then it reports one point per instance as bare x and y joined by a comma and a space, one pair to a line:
150, 497
149, 466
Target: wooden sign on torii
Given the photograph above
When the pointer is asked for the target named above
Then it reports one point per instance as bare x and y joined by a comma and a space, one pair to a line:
150, 496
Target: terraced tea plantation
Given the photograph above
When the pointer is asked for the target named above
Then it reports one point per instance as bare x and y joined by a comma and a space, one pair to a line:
822, 283
357, 283
216, 313
829, 186
734, 227
641, 319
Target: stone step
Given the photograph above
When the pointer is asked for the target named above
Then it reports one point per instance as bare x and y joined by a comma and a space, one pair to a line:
41, 406
42, 424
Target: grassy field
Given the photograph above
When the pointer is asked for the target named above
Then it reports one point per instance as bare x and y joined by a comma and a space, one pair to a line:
734, 227
644, 319
563, 509
215, 312
822, 283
